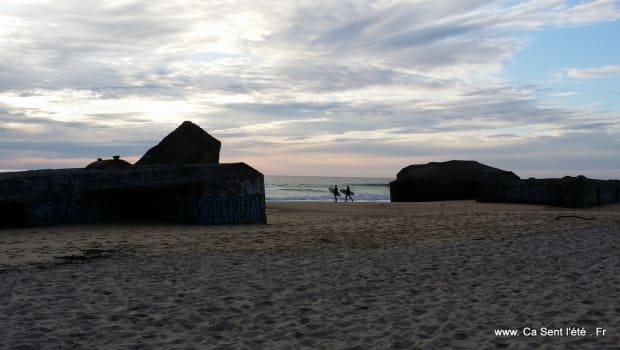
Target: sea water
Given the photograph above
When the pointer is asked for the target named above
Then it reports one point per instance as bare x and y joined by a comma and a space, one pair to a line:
316, 188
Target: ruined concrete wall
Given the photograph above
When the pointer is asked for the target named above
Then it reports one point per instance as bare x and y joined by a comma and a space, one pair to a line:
198, 194
535, 191
569, 192
600, 192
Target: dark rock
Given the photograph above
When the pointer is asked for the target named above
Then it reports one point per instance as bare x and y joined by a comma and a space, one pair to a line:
187, 144
198, 194
455, 179
114, 163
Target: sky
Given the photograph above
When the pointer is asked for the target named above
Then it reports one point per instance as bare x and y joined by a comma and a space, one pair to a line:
331, 88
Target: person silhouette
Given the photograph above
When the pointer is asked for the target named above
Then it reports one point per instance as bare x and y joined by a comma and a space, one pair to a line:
336, 193
347, 194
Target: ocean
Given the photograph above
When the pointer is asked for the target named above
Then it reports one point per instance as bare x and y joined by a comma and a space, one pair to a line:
316, 188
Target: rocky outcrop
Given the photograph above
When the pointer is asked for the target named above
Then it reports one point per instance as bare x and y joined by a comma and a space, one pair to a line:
451, 180
196, 194
187, 144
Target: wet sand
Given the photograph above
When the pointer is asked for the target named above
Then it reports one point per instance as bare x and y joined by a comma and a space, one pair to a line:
319, 275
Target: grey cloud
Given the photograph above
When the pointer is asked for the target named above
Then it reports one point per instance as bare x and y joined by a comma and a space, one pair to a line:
72, 53
596, 72
286, 110
322, 76
98, 27
36, 117
592, 126
406, 35
504, 136
498, 108
83, 138
335, 77
424, 36
567, 152
72, 149
70, 41
121, 117
311, 51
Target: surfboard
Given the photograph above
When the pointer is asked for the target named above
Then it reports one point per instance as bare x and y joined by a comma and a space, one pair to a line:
333, 191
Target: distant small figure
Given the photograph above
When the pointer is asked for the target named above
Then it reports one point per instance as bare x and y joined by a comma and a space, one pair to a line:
347, 194
335, 192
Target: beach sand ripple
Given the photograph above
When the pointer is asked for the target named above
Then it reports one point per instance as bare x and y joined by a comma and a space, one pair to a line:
390, 280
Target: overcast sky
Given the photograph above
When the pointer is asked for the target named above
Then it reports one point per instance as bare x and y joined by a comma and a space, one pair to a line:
348, 88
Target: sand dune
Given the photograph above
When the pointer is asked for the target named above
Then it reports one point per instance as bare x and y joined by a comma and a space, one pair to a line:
319, 275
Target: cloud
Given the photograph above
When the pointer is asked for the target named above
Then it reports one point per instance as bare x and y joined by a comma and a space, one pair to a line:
595, 72
358, 78
379, 158
565, 93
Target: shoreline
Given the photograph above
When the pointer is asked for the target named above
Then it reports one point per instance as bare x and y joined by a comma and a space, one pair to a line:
305, 224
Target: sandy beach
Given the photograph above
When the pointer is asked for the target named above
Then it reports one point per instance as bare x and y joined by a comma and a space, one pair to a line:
319, 275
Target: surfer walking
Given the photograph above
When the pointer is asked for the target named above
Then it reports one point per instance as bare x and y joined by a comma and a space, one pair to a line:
336, 193
348, 194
